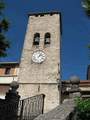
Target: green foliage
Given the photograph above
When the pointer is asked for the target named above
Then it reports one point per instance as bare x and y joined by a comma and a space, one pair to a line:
83, 109
2, 6
4, 25
88, 46
86, 5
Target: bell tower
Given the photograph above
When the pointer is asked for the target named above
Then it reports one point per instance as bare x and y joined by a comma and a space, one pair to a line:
40, 61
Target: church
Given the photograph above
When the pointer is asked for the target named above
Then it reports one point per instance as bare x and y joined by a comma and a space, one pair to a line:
40, 61
39, 71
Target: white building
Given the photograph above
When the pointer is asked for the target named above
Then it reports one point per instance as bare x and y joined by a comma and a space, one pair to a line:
8, 73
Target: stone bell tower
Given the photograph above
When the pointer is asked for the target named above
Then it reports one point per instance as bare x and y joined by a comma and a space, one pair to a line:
40, 61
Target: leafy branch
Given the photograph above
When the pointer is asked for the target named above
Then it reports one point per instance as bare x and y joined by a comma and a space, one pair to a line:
4, 26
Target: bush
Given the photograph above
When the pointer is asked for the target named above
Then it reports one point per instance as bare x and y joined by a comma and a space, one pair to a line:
83, 109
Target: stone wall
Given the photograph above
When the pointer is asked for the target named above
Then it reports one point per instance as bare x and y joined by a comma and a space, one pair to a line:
66, 111
41, 78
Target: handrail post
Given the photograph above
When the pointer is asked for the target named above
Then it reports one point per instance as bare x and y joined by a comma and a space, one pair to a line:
21, 112
43, 103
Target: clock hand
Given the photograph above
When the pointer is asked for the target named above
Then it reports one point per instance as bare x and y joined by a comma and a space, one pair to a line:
40, 55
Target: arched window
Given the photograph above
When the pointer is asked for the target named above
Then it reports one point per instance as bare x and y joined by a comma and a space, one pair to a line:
36, 39
47, 38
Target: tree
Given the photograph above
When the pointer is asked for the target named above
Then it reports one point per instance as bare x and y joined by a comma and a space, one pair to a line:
86, 6
4, 25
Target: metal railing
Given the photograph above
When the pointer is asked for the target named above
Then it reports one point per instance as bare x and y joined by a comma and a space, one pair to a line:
31, 107
27, 109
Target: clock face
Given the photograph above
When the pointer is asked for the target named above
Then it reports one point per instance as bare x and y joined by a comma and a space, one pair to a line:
38, 56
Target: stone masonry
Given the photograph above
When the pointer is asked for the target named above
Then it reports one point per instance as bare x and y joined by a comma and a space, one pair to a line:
65, 111
42, 78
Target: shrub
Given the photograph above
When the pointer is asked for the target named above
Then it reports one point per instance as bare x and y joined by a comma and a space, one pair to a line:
83, 109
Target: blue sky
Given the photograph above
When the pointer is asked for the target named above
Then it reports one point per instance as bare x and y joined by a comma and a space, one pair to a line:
75, 34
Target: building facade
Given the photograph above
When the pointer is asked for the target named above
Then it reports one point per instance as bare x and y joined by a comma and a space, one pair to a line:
8, 73
40, 61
